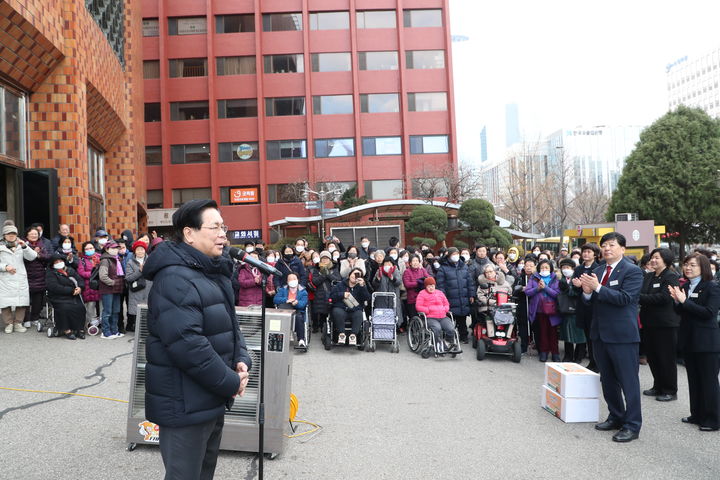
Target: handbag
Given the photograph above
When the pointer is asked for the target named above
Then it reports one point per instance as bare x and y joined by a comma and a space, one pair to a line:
137, 285
548, 307
351, 302
567, 305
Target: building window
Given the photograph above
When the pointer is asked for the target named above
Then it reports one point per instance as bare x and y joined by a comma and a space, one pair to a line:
381, 146
234, 23
154, 199
153, 155
197, 153
187, 25
151, 27
331, 62
184, 195
96, 171
287, 193
332, 104
152, 112
335, 147
429, 144
284, 63
237, 108
236, 65
13, 126
330, 21
429, 187
424, 59
427, 102
283, 106
422, 18
151, 69
376, 19
189, 111
286, 149
188, 67
282, 22
238, 152
378, 60
239, 195
383, 189
379, 103
340, 187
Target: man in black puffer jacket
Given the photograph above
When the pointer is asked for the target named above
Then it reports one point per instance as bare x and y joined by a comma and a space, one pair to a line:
197, 361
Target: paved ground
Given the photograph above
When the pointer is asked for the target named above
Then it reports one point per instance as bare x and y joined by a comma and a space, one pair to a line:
384, 416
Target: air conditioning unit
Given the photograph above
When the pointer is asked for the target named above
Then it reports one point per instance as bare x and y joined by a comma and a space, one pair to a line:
240, 432
626, 217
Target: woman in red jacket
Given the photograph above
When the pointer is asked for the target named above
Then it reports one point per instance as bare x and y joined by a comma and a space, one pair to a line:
434, 304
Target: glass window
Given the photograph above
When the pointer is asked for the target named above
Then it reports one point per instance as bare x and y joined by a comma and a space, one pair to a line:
383, 189
376, 19
283, 106
422, 59
150, 27
235, 65
152, 112
330, 21
234, 23
340, 187
287, 193
331, 62
184, 195
379, 103
286, 149
151, 69
427, 102
96, 171
187, 25
381, 146
238, 151
284, 63
378, 60
154, 199
282, 22
332, 104
13, 124
429, 144
429, 187
188, 67
189, 110
422, 18
237, 108
335, 147
197, 153
153, 155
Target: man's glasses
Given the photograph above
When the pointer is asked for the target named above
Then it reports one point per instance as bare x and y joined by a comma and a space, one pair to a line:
218, 228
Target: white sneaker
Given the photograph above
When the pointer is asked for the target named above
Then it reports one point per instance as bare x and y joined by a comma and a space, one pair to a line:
109, 337
353, 339
19, 328
27, 324
118, 335
341, 338
9, 328
302, 344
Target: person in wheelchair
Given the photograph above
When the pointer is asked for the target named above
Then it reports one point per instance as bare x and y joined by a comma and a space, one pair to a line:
294, 296
434, 304
64, 287
490, 283
348, 299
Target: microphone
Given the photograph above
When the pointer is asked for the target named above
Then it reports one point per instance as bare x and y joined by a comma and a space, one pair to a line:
243, 256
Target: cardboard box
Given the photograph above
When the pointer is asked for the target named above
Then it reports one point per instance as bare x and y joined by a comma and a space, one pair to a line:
570, 410
572, 380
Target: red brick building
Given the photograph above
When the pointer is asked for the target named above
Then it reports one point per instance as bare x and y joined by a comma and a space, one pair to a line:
72, 147
249, 101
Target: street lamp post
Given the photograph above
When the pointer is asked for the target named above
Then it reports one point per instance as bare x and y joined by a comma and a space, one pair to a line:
321, 195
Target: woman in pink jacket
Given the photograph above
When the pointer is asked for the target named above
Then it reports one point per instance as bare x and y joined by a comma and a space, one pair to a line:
434, 304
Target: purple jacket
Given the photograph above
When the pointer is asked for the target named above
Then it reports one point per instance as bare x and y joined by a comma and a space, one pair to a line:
535, 296
85, 266
250, 292
36, 268
410, 280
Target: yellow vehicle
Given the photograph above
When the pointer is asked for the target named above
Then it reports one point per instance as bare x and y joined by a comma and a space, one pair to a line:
642, 235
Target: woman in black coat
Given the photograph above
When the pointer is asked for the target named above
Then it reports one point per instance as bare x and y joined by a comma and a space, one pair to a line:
589, 254
660, 324
64, 288
289, 263
324, 277
698, 302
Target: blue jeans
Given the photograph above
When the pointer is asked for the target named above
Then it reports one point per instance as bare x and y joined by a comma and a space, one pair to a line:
110, 313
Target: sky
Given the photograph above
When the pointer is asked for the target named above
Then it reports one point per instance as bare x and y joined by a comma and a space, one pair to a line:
568, 63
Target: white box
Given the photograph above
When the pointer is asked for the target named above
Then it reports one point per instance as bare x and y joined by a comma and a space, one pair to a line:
570, 410
572, 380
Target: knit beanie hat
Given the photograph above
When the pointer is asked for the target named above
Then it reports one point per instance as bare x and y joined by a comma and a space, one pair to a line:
137, 244
9, 227
429, 281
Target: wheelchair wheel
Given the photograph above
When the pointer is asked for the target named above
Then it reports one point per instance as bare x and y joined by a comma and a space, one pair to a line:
415, 334
427, 351
395, 348
517, 352
39, 326
481, 350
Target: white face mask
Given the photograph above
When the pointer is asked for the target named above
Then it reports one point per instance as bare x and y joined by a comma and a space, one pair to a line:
299, 248
316, 259
67, 247
512, 257
455, 258
436, 265
365, 244
406, 259
249, 249
394, 256
387, 268
59, 265
567, 272
713, 258
331, 249
336, 256
293, 283
270, 259
102, 241
466, 256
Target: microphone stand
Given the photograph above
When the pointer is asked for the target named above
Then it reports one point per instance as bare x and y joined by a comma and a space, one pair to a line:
261, 407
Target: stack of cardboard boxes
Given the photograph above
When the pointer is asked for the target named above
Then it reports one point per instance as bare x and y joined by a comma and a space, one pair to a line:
571, 392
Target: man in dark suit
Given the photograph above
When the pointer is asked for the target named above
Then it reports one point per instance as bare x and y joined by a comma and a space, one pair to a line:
613, 290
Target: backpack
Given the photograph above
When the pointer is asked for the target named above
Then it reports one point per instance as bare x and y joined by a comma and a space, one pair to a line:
94, 280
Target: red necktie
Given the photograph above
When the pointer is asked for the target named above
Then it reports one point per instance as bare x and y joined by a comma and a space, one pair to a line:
607, 276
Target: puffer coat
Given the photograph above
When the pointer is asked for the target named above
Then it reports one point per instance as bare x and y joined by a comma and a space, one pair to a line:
133, 272
14, 287
85, 266
323, 281
250, 292
413, 279
458, 286
36, 268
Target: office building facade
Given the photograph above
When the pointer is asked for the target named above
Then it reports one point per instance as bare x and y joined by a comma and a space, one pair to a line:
695, 82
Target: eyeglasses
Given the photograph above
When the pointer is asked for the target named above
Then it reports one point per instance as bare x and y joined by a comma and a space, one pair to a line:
218, 228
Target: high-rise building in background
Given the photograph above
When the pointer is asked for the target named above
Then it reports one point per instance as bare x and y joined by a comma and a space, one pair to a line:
695, 82
483, 145
512, 124
251, 102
